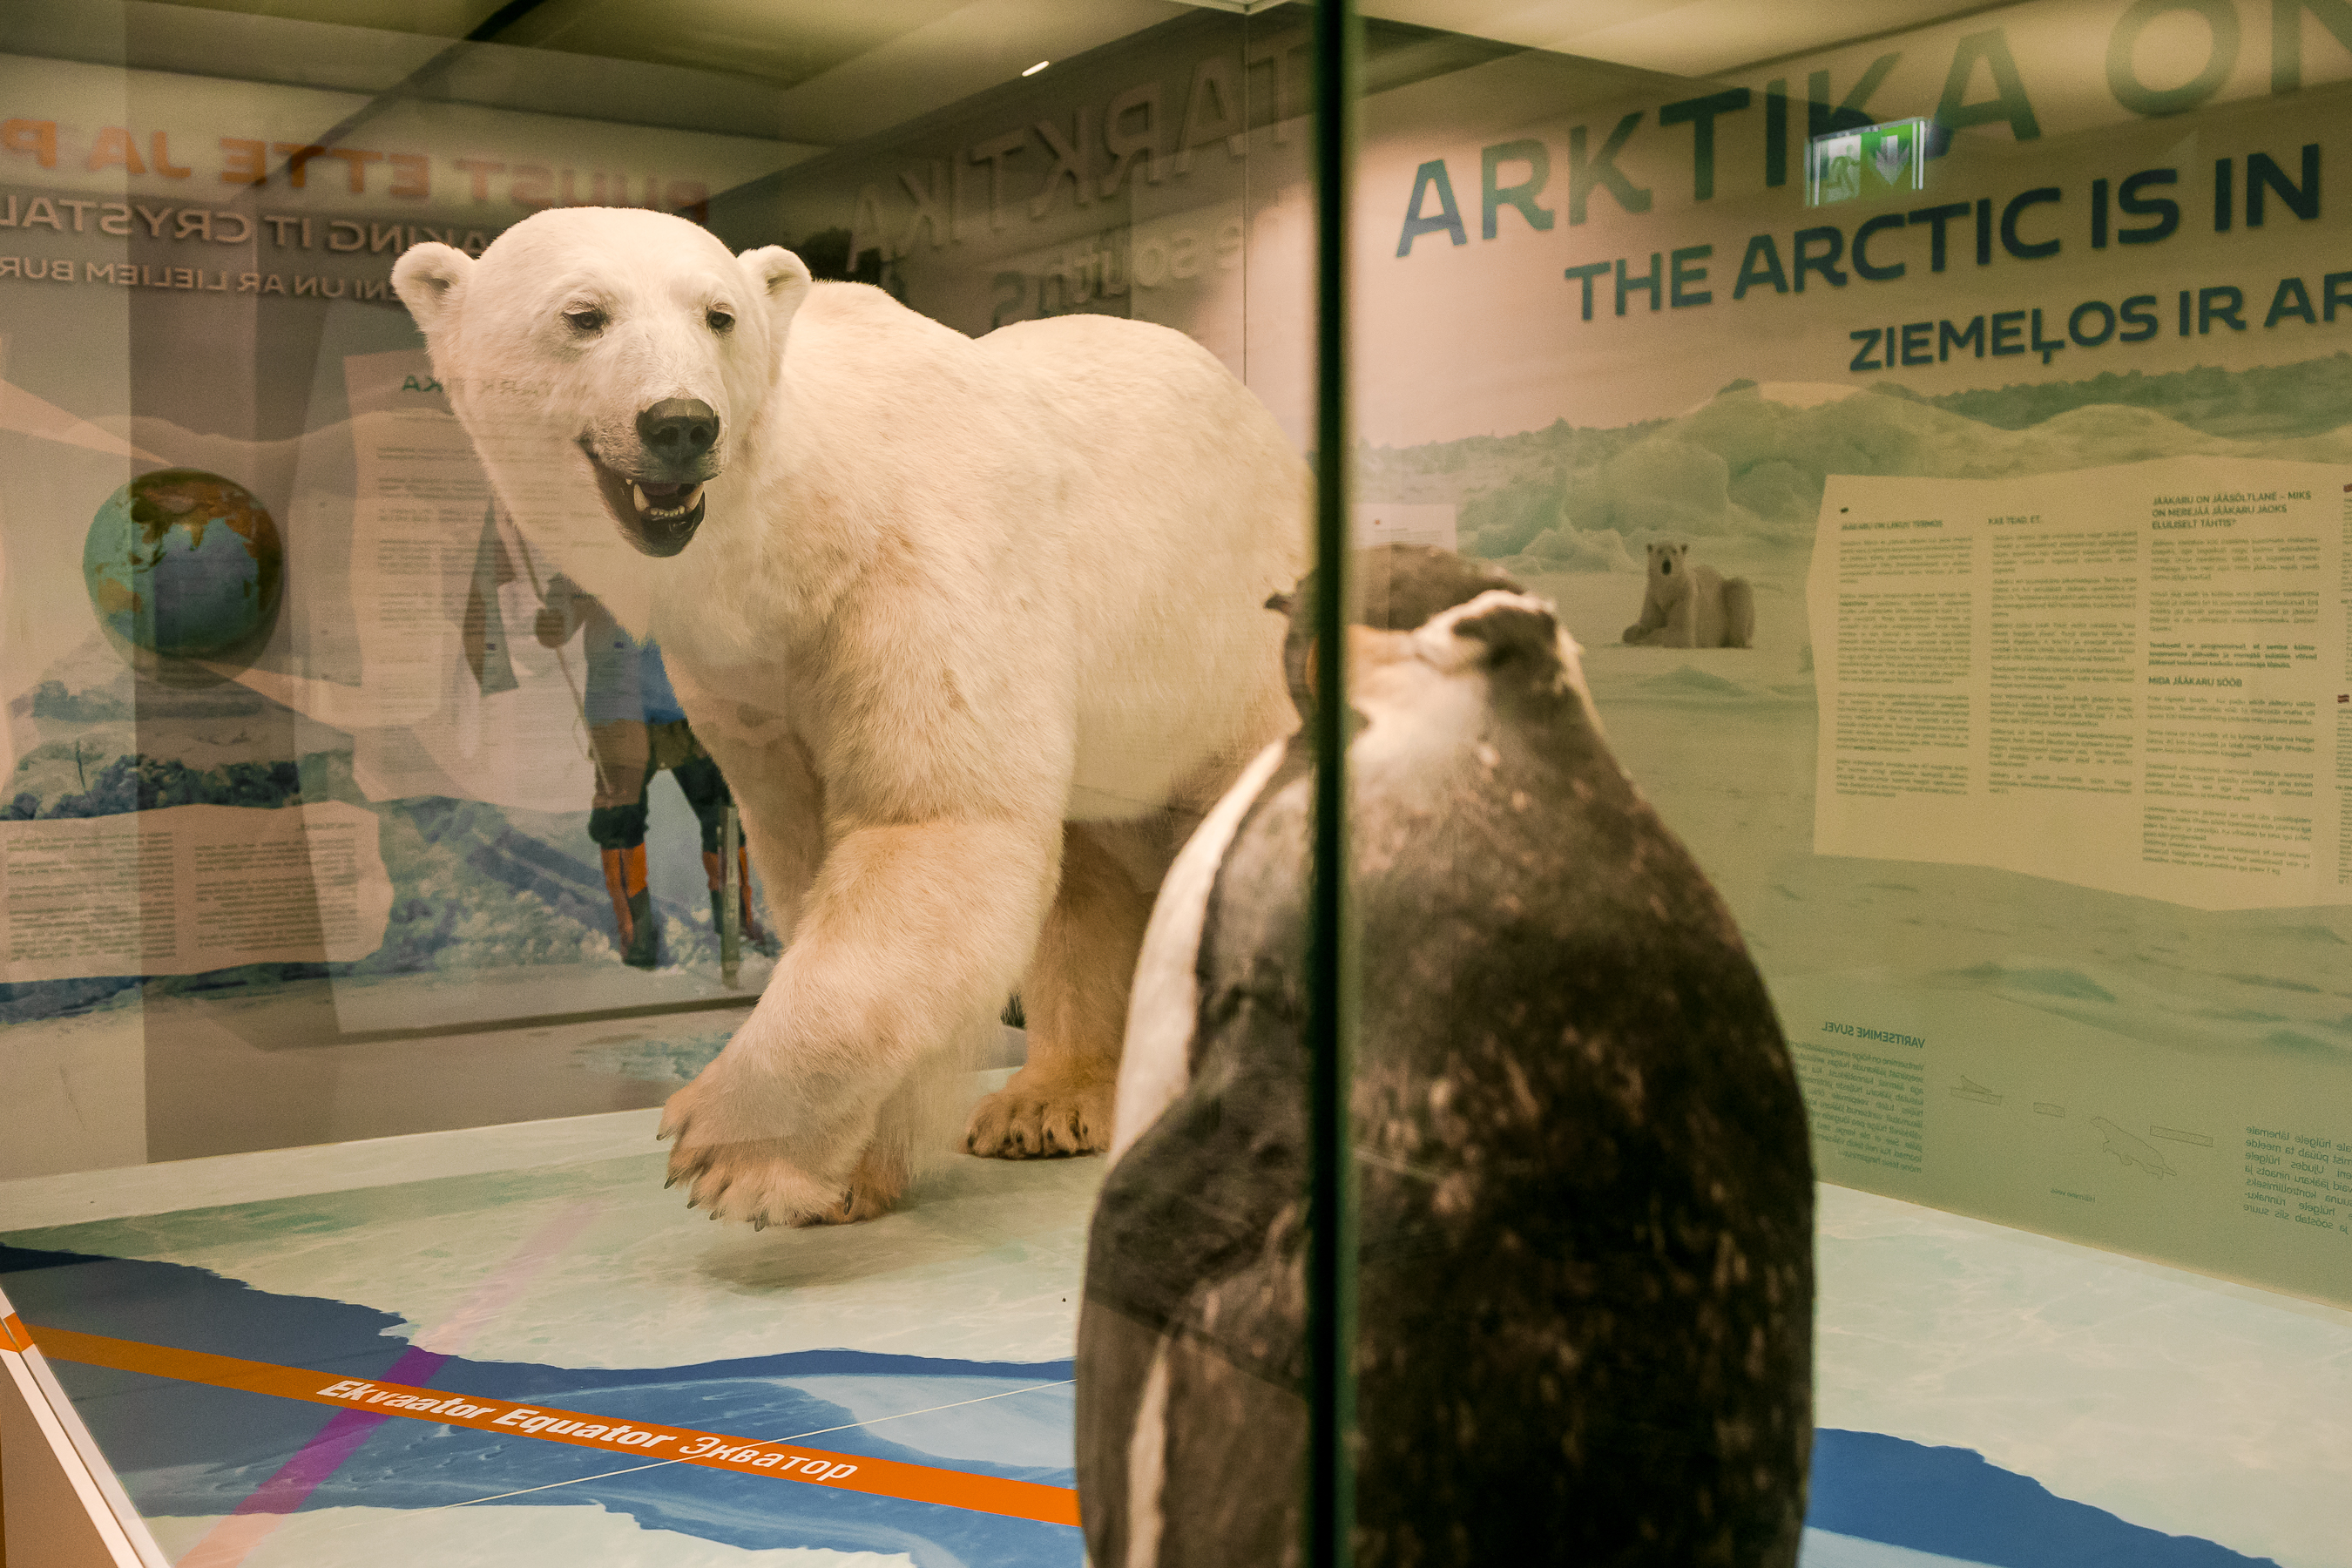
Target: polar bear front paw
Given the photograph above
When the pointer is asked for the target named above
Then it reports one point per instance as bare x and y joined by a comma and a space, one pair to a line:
874, 1188
752, 1180
1041, 1117
735, 1173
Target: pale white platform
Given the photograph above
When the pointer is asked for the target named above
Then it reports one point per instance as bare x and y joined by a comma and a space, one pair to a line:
2176, 1402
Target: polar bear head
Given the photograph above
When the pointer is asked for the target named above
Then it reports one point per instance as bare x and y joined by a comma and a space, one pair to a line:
1668, 571
605, 360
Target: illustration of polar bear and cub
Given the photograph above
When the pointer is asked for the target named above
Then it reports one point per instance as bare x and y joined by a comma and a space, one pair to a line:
974, 628
1689, 605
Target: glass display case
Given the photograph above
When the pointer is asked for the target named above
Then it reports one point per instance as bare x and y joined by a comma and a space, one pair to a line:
1860, 505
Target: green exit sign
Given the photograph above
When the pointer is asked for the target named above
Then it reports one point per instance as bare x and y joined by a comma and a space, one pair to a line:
1875, 161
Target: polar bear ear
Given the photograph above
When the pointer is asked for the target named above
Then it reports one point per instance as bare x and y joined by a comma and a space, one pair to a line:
782, 277
428, 278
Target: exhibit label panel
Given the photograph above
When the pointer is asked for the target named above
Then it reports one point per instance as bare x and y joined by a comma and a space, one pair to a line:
2000, 366
2122, 690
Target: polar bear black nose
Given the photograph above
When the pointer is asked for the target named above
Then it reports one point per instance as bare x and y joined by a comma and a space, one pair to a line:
678, 430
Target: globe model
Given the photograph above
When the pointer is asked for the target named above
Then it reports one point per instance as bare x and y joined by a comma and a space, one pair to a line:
182, 565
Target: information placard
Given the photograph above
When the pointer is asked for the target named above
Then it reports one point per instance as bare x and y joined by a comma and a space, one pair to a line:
2123, 677
188, 888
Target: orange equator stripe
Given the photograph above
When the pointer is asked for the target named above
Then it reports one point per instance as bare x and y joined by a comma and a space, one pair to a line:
12, 1334
814, 1467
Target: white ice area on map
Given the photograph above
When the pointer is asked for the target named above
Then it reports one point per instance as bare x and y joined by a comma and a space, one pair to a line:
940, 1417
2172, 1400
982, 1263
1823, 1549
516, 1534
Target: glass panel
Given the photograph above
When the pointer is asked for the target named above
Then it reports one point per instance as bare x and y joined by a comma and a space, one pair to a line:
487, 900
1971, 361
1930, 424
365, 575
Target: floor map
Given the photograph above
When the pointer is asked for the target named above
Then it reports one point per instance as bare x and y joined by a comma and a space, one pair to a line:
558, 1364
243, 1461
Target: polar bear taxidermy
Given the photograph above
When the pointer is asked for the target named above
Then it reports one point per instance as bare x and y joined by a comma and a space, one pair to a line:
1688, 605
973, 627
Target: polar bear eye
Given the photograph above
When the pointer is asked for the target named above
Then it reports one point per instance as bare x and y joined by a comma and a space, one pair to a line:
587, 319
717, 320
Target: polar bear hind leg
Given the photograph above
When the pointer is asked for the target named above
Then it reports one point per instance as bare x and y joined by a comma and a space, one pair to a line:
1739, 613
1075, 997
1702, 607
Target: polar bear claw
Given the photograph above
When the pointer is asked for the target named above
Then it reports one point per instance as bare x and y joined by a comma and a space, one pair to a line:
1021, 1123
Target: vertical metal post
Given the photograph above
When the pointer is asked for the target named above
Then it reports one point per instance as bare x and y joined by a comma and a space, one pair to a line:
731, 916
1331, 1208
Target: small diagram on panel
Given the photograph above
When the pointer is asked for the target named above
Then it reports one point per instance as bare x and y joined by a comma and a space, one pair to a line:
2131, 1151
2182, 1135
1969, 1088
2043, 1108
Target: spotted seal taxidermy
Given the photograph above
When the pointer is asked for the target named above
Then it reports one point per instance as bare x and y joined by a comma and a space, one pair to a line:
1586, 1271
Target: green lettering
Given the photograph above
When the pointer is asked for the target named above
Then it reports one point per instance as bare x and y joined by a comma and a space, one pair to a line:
1447, 219
1761, 264
1493, 196
2292, 299
2007, 102
1601, 170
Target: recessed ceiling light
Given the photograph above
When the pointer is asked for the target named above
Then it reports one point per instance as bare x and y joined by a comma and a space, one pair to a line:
1033, 71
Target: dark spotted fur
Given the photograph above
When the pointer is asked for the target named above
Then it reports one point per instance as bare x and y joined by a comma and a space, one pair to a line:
1586, 1277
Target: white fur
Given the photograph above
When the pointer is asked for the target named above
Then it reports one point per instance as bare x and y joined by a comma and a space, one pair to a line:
1440, 647
1154, 1065
1425, 694
1146, 1464
949, 594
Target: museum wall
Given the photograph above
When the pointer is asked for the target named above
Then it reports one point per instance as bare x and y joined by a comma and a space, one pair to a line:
2004, 360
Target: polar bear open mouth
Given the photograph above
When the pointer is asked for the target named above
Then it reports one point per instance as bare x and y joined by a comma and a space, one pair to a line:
658, 519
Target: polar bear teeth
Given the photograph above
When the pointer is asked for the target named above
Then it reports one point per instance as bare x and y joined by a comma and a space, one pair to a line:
647, 510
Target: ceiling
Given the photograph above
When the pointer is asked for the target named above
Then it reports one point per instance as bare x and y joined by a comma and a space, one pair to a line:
831, 72
1675, 38
781, 43
787, 42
